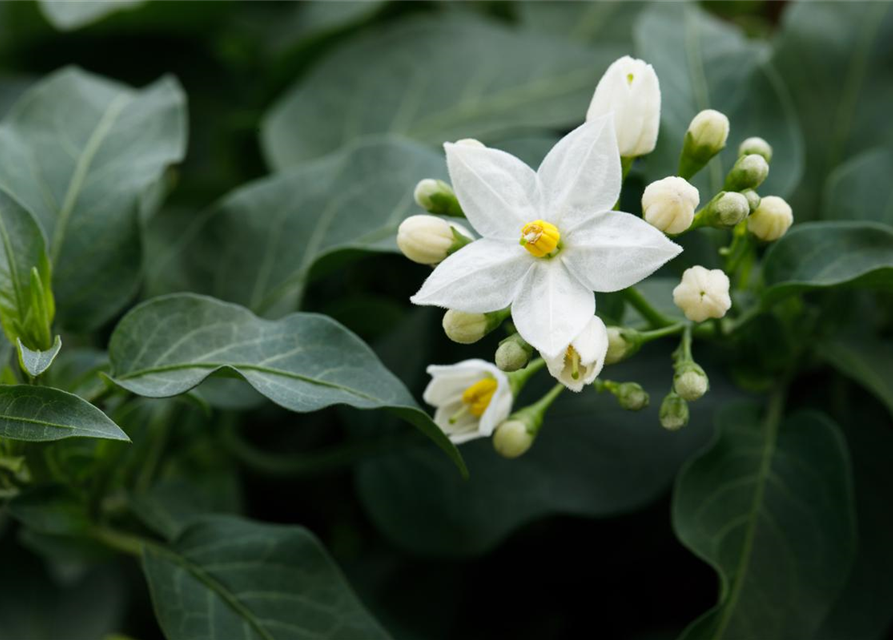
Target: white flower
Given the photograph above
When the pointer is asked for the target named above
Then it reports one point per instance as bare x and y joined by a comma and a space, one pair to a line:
670, 204
427, 239
549, 237
631, 92
583, 358
703, 294
472, 398
771, 220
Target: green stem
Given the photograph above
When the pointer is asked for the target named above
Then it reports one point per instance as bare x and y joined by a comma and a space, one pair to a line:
517, 379
654, 317
673, 329
158, 431
120, 541
546, 401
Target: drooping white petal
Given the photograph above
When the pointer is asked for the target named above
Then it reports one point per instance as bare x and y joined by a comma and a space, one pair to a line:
581, 174
614, 250
590, 345
551, 307
482, 276
498, 192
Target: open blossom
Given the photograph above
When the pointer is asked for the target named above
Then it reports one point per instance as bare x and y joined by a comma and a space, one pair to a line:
583, 359
549, 239
703, 293
472, 398
630, 92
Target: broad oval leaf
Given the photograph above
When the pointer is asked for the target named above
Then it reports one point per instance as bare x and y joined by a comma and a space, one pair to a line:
226, 578
40, 414
588, 22
867, 361
705, 63
827, 254
860, 189
35, 362
302, 362
67, 16
769, 506
109, 145
435, 79
257, 246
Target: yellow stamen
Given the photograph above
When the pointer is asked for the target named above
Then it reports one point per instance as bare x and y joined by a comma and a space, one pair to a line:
540, 238
477, 397
575, 362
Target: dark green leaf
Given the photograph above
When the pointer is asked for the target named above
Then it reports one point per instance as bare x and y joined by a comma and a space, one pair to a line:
860, 189
66, 15
769, 506
828, 254
36, 362
39, 414
868, 362
594, 23
303, 362
227, 578
52, 510
85, 182
435, 79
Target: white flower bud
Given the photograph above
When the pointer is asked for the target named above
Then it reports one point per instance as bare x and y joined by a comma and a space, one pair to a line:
673, 412
470, 142
703, 294
756, 146
436, 196
708, 133
512, 438
513, 353
424, 190
690, 381
630, 90
670, 204
771, 220
749, 172
631, 396
468, 328
731, 208
753, 199
429, 240
623, 342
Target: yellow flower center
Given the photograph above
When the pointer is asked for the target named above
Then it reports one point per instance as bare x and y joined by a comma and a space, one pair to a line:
540, 238
479, 395
574, 357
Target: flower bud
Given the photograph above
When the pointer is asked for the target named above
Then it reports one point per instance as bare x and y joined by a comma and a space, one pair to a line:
623, 342
631, 92
690, 381
470, 142
771, 220
436, 196
731, 208
513, 353
748, 173
513, 438
703, 294
468, 328
706, 136
670, 204
429, 240
756, 146
753, 199
631, 396
673, 412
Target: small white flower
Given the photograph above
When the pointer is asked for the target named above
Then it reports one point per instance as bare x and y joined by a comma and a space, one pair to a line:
549, 240
631, 92
709, 131
670, 204
771, 220
703, 294
583, 358
472, 398
427, 239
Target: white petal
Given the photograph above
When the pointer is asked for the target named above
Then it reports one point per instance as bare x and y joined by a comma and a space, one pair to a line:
482, 276
581, 174
498, 193
551, 307
499, 408
614, 250
591, 344
449, 386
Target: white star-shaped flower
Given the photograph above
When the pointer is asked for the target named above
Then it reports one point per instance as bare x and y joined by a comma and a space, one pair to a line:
549, 237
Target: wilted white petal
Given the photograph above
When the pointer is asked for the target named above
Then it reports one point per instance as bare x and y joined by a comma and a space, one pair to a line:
581, 174
482, 276
551, 307
498, 192
615, 250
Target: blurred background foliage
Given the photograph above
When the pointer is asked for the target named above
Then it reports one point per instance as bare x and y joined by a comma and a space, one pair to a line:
574, 539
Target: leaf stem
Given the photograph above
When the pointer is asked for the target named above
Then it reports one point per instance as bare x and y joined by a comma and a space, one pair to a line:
654, 317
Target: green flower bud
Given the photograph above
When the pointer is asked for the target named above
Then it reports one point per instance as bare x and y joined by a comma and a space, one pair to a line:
436, 196
706, 136
690, 381
756, 146
623, 342
731, 208
753, 199
748, 173
513, 353
673, 412
513, 438
468, 328
631, 396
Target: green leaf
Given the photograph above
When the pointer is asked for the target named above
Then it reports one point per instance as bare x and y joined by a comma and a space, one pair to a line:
434, 79
36, 362
53, 510
303, 362
228, 578
22, 253
705, 63
860, 189
834, 58
84, 183
257, 246
66, 15
867, 361
769, 506
40, 414
818, 255
587, 22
